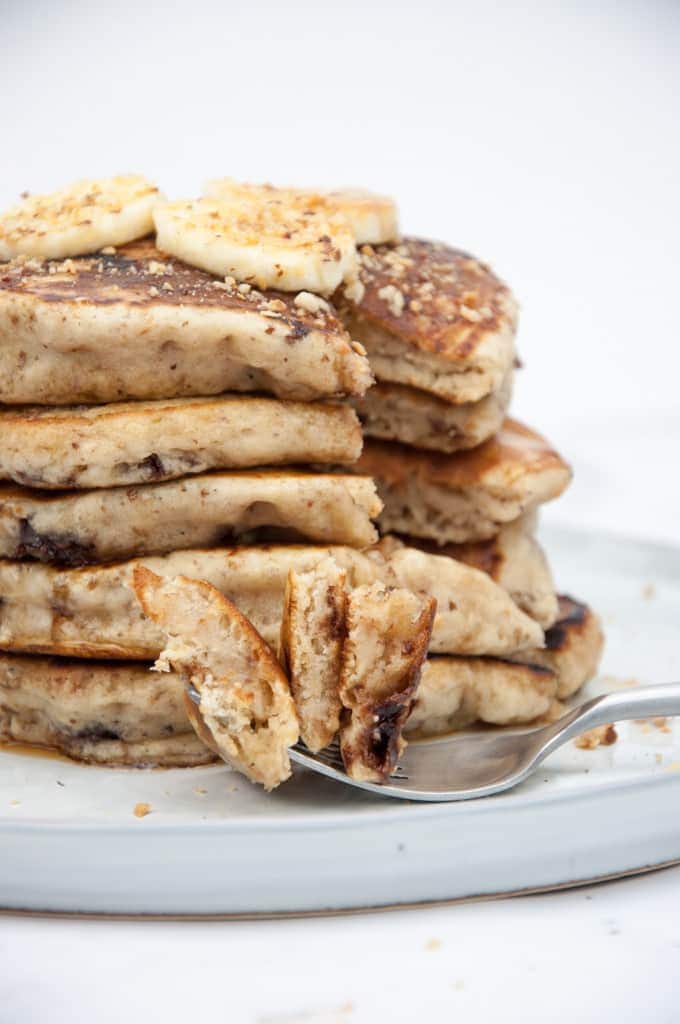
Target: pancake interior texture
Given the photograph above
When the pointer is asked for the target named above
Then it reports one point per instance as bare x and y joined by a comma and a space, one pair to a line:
395, 412
85, 527
116, 713
141, 442
90, 612
138, 324
245, 710
467, 496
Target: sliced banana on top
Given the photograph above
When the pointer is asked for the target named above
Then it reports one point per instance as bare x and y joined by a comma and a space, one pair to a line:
372, 218
255, 234
84, 217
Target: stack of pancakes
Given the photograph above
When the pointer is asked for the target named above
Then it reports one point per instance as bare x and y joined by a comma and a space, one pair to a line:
155, 413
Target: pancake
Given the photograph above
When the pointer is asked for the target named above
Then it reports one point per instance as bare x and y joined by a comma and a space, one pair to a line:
138, 442
86, 527
310, 648
387, 638
456, 692
91, 612
113, 713
515, 560
573, 646
245, 710
433, 318
139, 324
394, 412
467, 496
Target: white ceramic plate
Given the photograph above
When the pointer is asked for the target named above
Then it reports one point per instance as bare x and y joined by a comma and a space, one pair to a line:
69, 840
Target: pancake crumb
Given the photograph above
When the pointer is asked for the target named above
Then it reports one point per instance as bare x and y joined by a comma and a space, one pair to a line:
141, 810
602, 736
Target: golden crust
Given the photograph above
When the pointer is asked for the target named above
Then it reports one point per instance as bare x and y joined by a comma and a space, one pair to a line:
573, 646
140, 275
244, 699
440, 300
514, 453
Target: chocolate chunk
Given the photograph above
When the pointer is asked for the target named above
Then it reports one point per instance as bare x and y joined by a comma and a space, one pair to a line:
56, 550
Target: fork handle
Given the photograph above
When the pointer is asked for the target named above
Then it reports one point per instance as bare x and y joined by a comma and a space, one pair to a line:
641, 702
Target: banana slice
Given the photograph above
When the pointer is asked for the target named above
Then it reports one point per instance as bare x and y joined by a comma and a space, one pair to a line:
84, 217
372, 218
272, 241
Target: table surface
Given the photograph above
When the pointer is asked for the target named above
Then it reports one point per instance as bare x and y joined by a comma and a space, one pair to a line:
543, 137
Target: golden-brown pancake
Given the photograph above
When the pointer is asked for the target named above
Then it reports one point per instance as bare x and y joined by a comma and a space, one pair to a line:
467, 496
103, 525
138, 324
433, 318
138, 442
117, 713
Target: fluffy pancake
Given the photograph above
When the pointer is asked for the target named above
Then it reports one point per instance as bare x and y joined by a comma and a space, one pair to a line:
433, 318
395, 412
245, 710
387, 638
573, 646
467, 496
515, 560
455, 692
137, 442
91, 612
116, 713
139, 324
85, 527
310, 649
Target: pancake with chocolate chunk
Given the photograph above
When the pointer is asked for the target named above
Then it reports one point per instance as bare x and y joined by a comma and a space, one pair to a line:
456, 692
467, 496
515, 560
394, 412
138, 324
91, 612
433, 318
137, 442
86, 527
115, 713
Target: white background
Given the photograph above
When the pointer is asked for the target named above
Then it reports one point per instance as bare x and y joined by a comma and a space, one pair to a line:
545, 139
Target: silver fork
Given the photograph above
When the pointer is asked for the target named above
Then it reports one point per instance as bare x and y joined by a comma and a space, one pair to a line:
480, 764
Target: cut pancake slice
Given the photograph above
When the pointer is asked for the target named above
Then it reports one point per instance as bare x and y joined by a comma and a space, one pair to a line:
456, 692
372, 218
433, 318
467, 496
268, 237
138, 442
394, 412
312, 635
244, 704
515, 560
104, 525
91, 613
81, 218
388, 635
139, 324
115, 713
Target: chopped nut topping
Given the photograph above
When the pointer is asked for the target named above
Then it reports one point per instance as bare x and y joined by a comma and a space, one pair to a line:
394, 299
